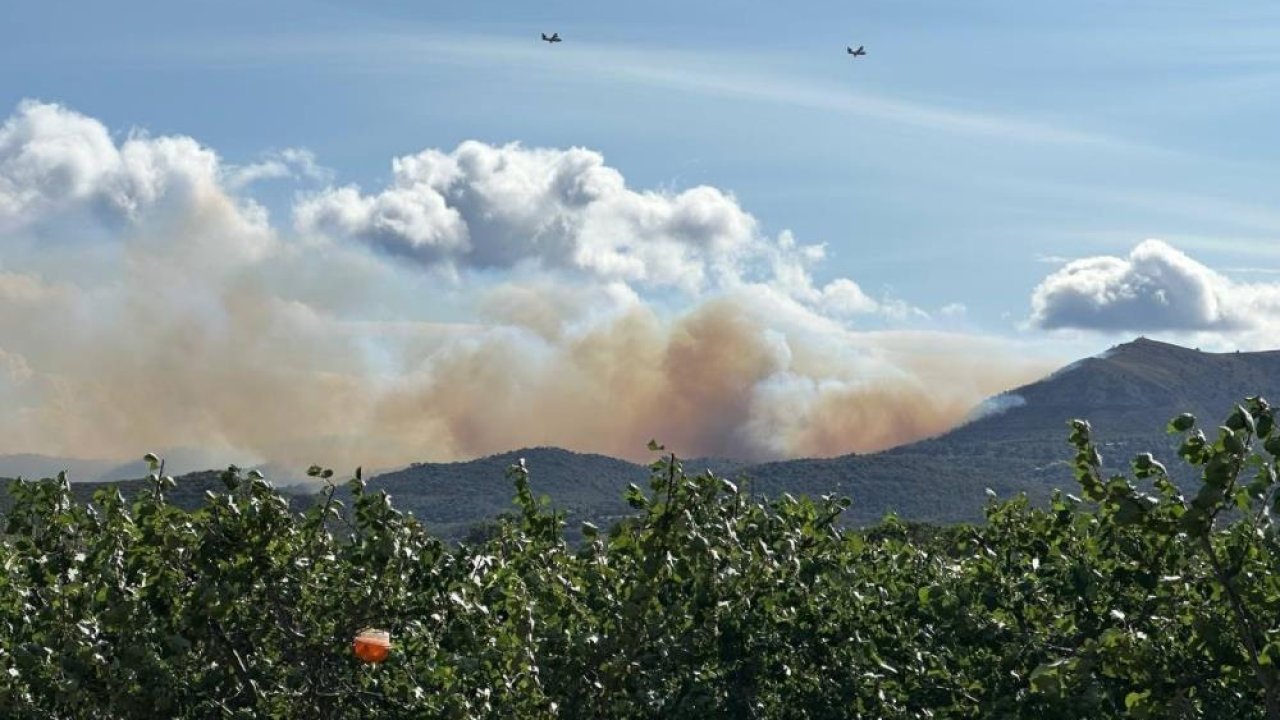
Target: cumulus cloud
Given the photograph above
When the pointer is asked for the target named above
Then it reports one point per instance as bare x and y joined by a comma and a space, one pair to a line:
844, 297
49, 156
63, 179
1155, 288
147, 301
481, 206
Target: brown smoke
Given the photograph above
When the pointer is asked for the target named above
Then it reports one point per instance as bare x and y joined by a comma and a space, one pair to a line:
696, 385
145, 306
244, 371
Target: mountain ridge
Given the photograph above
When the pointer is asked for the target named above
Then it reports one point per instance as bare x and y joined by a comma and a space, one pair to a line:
1128, 393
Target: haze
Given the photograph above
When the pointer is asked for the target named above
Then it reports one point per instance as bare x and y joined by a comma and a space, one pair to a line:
392, 232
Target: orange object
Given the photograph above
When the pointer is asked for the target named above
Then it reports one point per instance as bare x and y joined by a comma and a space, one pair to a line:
372, 646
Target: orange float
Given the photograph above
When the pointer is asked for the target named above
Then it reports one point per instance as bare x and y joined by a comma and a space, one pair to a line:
372, 646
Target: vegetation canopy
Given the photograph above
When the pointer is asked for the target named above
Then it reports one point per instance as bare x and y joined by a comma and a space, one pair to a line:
1130, 600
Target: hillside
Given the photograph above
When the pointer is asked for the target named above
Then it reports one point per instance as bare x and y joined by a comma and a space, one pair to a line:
451, 498
28, 465
1127, 393
188, 494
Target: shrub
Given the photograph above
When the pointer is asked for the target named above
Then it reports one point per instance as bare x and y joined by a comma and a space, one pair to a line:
708, 602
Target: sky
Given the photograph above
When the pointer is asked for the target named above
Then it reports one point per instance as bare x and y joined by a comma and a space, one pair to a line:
426, 221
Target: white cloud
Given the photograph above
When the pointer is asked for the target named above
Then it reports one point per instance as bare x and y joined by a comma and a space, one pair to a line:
148, 301
483, 206
291, 163
1155, 288
843, 297
62, 170
49, 156
1052, 259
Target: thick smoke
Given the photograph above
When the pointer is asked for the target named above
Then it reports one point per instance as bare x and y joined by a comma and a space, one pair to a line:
728, 377
492, 298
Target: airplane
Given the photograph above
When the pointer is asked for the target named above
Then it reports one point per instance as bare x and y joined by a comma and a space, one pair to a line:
856, 53
555, 38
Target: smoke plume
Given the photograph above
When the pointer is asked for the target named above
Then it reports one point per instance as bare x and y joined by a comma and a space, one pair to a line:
490, 298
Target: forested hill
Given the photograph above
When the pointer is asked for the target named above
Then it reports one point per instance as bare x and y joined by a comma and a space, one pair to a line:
1119, 389
1015, 443
1128, 394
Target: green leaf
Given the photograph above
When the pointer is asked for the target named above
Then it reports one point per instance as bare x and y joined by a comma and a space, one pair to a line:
1270, 654
1047, 679
1182, 423
1136, 700
1265, 424
1241, 419
1272, 445
1232, 442
635, 497
1130, 512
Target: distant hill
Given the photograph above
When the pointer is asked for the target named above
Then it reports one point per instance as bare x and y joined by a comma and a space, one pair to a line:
178, 462
1016, 442
181, 461
1127, 394
40, 466
189, 492
453, 497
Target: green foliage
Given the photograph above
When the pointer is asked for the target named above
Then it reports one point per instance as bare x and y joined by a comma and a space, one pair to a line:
1209, 605
1132, 600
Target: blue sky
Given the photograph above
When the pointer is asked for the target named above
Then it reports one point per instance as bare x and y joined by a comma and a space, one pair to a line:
988, 172
974, 137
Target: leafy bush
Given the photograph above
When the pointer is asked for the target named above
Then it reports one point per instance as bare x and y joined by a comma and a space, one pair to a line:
708, 602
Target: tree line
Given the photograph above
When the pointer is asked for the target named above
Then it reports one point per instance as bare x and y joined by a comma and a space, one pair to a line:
1127, 598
